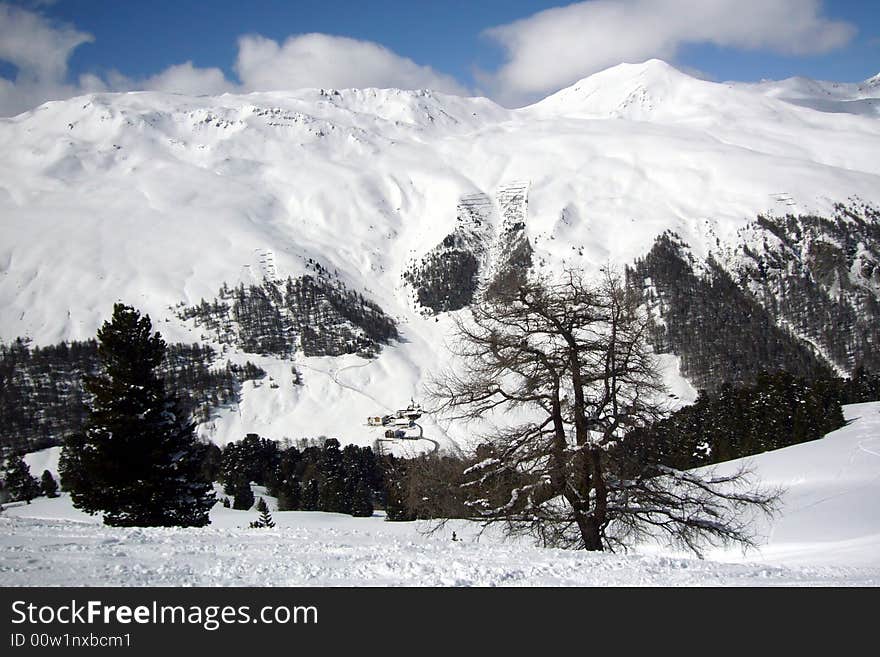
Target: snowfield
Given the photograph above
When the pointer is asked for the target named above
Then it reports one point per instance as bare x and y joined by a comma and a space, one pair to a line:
827, 534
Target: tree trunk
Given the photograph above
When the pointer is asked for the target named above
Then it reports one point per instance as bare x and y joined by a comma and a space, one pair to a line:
600, 488
590, 533
590, 479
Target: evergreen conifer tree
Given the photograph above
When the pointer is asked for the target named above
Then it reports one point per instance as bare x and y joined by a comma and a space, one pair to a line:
48, 484
362, 501
242, 495
332, 494
290, 496
396, 508
20, 484
265, 520
310, 496
137, 461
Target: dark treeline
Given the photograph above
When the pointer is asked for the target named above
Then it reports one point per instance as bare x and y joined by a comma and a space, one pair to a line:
42, 398
779, 410
353, 480
327, 478
323, 476
319, 475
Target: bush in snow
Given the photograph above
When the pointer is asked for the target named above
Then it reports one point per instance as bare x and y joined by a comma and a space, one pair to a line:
48, 484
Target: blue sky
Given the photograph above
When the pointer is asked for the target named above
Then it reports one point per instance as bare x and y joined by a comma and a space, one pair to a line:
514, 51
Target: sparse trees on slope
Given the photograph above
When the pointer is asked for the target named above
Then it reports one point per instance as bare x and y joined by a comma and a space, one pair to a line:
570, 360
137, 461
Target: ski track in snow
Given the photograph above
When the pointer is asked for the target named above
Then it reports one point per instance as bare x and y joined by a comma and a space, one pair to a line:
333, 374
865, 449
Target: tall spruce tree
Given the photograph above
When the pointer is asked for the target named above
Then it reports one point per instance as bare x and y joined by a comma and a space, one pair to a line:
137, 461
331, 496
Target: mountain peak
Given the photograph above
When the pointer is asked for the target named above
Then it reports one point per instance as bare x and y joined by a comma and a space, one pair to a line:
650, 70
624, 90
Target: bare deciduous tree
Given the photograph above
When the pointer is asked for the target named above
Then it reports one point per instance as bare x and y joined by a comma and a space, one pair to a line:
572, 358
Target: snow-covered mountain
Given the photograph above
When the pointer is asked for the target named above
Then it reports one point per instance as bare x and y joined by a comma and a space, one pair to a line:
852, 98
408, 198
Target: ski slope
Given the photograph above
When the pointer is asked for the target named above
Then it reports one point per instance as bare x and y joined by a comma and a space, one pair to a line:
826, 534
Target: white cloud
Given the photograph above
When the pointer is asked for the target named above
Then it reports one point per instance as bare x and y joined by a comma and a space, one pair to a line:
556, 47
39, 51
545, 52
322, 60
188, 79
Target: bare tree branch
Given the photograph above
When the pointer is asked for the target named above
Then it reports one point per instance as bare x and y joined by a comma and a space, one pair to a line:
575, 356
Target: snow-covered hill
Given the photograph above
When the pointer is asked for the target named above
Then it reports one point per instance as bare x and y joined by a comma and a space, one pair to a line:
158, 200
827, 533
830, 513
859, 98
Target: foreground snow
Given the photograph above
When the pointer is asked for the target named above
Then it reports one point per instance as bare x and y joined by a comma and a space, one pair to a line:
828, 533
327, 550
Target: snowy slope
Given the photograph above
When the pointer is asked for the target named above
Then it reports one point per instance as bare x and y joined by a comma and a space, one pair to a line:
158, 199
830, 512
827, 533
860, 98
658, 93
